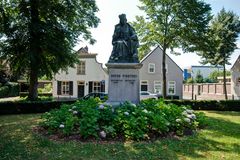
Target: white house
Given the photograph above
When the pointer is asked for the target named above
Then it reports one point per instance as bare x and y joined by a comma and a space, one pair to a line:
235, 79
87, 76
151, 74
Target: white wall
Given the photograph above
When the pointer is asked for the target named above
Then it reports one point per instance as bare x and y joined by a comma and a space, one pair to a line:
94, 72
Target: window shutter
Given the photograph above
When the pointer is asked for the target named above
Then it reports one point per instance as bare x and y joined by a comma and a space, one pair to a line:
102, 87
90, 86
59, 87
71, 87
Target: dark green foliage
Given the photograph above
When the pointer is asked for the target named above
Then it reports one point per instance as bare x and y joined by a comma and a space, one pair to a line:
149, 119
37, 37
25, 94
9, 90
228, 105
172, 24
24, 106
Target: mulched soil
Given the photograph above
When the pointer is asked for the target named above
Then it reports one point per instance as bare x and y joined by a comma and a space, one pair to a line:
77, 137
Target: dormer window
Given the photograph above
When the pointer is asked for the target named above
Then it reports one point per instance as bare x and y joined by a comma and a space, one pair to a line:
151, 68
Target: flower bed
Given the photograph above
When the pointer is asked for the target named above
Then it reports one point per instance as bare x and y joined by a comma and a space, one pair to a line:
150, 119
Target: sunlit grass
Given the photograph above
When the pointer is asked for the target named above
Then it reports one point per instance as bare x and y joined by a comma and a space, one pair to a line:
220, 140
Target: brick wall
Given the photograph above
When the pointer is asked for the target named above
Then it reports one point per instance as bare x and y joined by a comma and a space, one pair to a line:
208, 91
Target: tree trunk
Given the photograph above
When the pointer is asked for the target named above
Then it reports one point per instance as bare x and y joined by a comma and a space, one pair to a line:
35, 49
224, 82
164, 90
33, 94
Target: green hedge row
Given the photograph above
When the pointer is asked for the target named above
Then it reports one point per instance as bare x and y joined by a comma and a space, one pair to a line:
30, 107
10, 90
45, 106
25, 94
223, 105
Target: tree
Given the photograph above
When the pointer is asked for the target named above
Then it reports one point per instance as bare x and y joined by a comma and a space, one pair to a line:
213, 75
199, 77
221, 41
38, 36
172, 24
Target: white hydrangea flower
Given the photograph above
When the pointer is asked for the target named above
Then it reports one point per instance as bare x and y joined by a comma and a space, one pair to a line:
145, 111
61, 126
126, 113
103, 134
184, 113
189, 111
75, 112
187, 120
74, 107
101, 106
167, 123
70, 110
133, 105
178, 120
189, 116
193, 116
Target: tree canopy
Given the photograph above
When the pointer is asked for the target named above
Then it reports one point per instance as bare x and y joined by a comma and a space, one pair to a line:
172, 24
221, 38
38, 36
221, 41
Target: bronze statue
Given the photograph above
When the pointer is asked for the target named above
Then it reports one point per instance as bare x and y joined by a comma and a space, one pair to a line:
125, 43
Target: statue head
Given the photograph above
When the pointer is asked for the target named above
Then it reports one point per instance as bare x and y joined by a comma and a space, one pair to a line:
123, 19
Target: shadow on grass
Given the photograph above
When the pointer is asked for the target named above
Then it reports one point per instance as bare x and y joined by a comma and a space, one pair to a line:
17, 141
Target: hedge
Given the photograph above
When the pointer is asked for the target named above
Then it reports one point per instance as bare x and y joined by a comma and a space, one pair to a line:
30, 107
10, 90
25, 94
222, 105
45, 106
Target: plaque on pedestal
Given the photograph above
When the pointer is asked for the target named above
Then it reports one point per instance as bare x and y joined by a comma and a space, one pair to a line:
123, 82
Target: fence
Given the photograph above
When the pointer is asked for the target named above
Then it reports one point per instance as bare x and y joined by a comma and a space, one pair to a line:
208, 91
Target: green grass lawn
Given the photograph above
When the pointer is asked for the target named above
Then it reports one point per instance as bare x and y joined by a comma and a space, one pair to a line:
220, 140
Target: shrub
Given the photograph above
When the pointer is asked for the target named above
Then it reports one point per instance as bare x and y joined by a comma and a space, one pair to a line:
9, 90
223, 105
4, 91
91, 118
24, 106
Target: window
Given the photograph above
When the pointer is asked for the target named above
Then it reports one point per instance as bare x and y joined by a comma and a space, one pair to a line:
65, 88
171, 88
144, 85
151, 68
81, 67
96, 87
157, 87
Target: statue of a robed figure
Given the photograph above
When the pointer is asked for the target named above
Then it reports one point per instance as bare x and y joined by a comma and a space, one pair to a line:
125, 43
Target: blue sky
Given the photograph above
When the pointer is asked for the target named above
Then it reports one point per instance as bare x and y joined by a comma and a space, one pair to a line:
109, 11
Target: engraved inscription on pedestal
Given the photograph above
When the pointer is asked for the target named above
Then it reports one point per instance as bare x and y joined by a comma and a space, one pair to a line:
123, 82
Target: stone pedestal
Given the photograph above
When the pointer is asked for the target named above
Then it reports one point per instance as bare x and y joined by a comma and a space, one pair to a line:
123, 82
